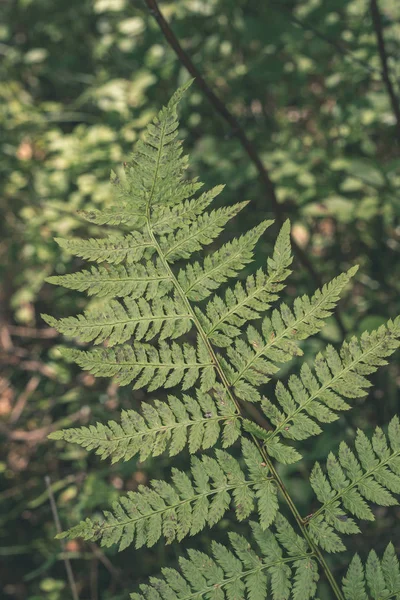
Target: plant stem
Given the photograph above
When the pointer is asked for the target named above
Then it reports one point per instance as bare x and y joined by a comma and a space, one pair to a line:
377, 23
300, 522
56, 518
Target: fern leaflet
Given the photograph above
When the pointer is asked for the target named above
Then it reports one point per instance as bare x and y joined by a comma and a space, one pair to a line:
282, 567
149, 366
196, 422
380, 577
352, 482
117, 322
310, 399
186, 505
252, 363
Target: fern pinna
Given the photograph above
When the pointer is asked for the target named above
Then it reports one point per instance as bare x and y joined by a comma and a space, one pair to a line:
163, 323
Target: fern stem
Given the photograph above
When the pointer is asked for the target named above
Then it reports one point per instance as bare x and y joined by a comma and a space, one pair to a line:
300, 522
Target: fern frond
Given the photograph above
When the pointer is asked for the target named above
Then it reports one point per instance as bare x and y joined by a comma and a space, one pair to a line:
224, 318
162, 222
157, 167
166, 219
122, 214
352, 481
252, 363
113, 249
199, 280
117, 322
380, 580
239, 571
149, 280
200, 233
187, 504
310, 399
148, 366
198, 423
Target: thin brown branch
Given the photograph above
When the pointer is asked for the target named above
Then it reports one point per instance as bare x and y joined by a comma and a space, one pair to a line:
15, 359
341, 48
240, 133
377, 23
30, 332
57, 523
116, 574
36, 436
23, 399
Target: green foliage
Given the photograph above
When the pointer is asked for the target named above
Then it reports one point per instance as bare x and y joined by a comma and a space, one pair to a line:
281, 564
311, 398
380, 577
303, 79
195, 423
352, 482
224, 318
143, 344
253, 363
187, 504
164, 365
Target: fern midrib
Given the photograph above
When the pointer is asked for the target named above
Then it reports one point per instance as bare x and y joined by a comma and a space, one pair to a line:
119, 279
354, 484
155, 365
109, 250
141, 319
195, 498
278, 338
243, 303
323, 388
243, 574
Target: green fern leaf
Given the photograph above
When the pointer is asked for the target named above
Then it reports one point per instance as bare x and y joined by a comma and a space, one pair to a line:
312, 399
147, 307
148, 280
200, 233
352, 482
224, 317
166, 219
199, 280
252, 363
186, 505
113, 249
118, 322
148, 366
196, 423
121, 215
236, 572
379, 580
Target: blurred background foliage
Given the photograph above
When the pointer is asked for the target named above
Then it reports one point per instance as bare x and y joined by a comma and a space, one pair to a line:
80, 80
